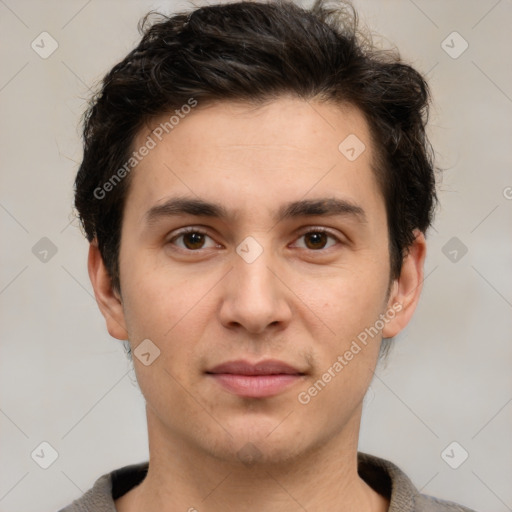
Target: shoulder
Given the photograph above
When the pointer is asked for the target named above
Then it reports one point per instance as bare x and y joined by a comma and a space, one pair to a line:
107, 488
98, 498
430, 504
389, 480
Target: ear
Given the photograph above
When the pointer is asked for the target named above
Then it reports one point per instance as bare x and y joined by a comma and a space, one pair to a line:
406, 290
109, 301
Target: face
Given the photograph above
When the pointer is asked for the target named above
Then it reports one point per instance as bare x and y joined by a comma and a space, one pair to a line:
254, 256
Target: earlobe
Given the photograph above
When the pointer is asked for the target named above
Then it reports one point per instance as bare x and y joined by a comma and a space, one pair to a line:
406, 290
108, 300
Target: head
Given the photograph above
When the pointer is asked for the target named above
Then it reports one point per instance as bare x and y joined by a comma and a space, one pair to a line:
256, 120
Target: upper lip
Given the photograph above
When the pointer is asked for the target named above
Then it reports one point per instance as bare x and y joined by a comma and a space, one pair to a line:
266, 367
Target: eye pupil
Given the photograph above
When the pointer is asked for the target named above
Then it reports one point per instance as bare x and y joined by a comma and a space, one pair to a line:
316, 240
193, 240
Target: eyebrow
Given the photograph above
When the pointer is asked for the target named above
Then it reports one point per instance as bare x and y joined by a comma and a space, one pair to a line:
303, 208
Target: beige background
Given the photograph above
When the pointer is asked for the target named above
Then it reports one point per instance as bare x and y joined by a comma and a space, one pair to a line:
63, 380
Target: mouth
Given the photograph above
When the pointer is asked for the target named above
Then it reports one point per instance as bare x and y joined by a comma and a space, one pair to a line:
255, 380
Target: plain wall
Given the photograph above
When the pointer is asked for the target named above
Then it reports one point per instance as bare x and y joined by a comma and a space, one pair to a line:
63, 380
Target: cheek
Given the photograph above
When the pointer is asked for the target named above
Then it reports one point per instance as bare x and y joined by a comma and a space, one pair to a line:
158, 301
349, 301
166, 311
173, 310
345, 360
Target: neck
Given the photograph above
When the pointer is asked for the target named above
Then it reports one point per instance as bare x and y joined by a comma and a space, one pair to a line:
182, 478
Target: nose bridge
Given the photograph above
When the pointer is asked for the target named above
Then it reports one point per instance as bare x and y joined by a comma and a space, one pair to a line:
252, 271
255, 276
255, 298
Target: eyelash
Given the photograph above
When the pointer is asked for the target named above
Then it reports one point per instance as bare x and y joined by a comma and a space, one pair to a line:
200, 231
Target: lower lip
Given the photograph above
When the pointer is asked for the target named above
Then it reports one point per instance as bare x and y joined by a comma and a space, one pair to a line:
255, 386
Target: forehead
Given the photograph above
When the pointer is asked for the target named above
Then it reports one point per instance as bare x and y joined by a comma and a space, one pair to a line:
227, 150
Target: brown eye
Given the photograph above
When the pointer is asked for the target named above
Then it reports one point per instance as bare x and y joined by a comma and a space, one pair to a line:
193, 240
316, 239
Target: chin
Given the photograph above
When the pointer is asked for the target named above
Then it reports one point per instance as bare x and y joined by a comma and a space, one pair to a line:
257, 443
256, 452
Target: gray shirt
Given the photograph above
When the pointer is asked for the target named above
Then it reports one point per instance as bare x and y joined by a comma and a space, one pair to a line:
380, 474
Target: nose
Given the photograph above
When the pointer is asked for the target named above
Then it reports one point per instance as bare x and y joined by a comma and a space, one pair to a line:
254, 296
